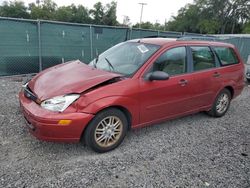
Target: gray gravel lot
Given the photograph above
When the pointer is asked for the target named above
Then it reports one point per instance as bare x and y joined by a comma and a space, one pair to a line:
193, 151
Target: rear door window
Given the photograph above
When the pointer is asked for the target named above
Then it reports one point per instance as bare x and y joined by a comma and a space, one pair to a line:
226, 55
203, 58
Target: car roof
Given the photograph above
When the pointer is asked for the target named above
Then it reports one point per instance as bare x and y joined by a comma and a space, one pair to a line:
173, 41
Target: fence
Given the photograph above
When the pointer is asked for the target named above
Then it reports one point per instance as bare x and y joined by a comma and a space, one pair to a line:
29, 46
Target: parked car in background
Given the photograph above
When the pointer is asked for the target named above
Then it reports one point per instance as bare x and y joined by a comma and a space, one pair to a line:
248, 69
133, 84
248, 74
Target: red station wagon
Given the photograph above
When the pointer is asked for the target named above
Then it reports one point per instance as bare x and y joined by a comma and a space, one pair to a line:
133, 84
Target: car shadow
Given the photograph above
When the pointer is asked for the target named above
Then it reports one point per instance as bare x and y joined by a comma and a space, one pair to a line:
132, 138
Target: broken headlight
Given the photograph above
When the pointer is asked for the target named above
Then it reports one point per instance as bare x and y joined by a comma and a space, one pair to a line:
59, 103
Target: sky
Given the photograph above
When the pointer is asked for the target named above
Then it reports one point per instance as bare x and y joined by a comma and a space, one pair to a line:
154, 11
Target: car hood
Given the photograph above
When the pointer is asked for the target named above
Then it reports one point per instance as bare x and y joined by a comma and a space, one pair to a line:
71, 77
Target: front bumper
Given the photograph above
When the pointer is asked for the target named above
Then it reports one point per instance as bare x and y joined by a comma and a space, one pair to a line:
43, 124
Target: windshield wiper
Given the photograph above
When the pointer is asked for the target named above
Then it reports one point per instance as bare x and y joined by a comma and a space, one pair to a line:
110, 64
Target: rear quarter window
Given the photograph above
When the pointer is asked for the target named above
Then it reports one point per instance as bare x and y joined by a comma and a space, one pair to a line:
226, 55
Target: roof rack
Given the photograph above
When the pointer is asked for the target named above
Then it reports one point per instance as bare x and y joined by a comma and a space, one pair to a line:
155, 36
207, 38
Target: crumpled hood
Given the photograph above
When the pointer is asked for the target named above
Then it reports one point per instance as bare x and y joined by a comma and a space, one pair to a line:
72, 77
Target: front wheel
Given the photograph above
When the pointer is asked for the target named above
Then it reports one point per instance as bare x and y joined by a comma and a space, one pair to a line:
106, 131
221, 104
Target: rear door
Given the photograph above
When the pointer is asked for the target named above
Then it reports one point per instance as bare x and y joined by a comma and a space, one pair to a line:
205, 73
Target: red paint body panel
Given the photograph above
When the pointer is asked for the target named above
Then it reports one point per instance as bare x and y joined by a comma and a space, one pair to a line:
146, 102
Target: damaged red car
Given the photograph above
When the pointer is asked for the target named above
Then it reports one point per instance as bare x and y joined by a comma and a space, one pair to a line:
133, 84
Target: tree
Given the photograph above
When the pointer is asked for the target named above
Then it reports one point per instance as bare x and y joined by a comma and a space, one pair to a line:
48, 10
64, 13
246, 28
104, 15
14, 9
228, 13
144, 25
45, 11
97, 13
186, 20
208, 26
110, 14
212, 16
81, 15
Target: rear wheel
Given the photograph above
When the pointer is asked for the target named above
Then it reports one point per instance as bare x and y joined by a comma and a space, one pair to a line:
106, 131
221, 104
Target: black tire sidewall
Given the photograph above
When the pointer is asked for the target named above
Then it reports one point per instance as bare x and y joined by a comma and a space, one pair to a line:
89, 134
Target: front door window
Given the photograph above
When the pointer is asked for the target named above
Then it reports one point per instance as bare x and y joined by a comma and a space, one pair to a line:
172, 61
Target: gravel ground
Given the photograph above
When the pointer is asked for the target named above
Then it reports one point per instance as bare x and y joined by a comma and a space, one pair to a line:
193, 151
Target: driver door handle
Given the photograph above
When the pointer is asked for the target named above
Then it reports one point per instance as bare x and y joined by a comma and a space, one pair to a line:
183, 82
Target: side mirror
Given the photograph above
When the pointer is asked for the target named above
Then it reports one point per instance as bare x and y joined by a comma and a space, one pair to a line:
157, 75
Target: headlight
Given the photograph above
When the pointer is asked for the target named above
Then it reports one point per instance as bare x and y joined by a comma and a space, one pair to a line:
59, 103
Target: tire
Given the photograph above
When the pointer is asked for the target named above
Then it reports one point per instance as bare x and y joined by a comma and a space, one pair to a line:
106, 131
221, 104
248, 80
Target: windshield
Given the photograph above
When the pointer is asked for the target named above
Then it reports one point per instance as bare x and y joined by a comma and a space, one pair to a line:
125, 58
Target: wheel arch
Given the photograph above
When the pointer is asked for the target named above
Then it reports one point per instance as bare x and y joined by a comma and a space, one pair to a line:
228, 87
231, 89
124, 110
129, 106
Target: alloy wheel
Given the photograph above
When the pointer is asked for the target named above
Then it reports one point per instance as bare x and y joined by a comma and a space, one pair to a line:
222, 103
108, 131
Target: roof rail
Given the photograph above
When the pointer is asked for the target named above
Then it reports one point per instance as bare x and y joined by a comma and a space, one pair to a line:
207, 38
155, 36
160, 36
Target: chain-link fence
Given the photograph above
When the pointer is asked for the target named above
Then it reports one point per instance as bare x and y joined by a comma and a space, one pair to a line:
29, 46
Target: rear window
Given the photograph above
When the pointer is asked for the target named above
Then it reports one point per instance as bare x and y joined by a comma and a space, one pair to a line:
226, 55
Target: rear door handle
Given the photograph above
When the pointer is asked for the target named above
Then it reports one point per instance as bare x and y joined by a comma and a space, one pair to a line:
183, 82
216, 74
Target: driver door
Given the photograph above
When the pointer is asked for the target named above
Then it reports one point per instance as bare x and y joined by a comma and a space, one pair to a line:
167, 98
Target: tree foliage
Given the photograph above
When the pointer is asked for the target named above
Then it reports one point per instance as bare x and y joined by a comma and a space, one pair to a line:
208, 17
15, 9
203, 16
246, 28
212, 16
48, 10
45, 11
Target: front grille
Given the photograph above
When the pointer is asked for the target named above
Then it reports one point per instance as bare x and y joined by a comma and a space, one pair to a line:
30, 95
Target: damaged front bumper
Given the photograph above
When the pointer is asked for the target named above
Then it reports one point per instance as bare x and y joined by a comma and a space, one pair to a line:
46, 125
